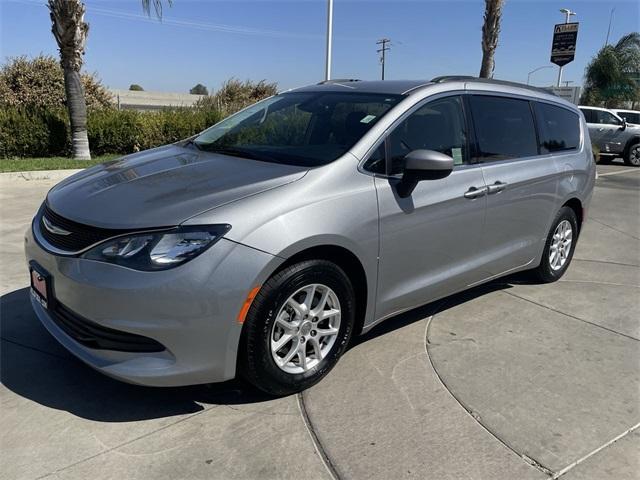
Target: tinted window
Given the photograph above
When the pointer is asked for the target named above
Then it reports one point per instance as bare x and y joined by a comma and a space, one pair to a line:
605, 117
588, 115
558, 127
376, 162
439, 125
504, 128
298, 128
630, 117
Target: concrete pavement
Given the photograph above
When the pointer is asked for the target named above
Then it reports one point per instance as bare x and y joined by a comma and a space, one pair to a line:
510, 380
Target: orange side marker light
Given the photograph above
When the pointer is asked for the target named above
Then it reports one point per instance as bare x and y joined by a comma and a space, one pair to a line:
247, 304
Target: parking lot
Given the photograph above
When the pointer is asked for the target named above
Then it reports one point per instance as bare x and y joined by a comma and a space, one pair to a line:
511, 380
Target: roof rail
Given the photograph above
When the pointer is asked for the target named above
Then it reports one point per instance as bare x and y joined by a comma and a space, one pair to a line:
339, 80
464, 78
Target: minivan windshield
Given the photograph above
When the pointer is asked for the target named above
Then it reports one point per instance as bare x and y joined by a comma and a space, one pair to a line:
298, 128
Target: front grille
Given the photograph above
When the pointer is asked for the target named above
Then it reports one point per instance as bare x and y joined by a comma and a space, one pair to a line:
95, 336
80, 236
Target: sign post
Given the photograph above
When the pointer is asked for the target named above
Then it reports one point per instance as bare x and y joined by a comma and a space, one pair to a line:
563, 48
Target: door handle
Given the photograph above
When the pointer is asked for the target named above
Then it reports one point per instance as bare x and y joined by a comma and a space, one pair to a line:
475, 192
601, 129
496, 187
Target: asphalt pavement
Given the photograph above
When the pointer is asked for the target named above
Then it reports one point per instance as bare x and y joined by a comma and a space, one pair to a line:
511, 380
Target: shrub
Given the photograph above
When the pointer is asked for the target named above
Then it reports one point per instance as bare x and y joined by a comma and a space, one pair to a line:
33, 132
234, 95
136, 88
39, 83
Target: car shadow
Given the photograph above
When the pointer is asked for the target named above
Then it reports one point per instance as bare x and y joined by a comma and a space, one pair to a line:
35, 366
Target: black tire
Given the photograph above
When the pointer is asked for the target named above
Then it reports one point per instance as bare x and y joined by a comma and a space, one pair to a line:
632, 155
545, 272
255, 361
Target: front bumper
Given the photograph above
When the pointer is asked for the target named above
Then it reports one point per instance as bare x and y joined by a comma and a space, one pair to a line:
190, 310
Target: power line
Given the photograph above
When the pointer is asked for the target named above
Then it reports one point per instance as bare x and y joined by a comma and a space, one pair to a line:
382, 51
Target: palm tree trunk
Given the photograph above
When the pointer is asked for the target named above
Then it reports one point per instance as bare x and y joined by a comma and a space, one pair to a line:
70, 31
77, 114
490, 33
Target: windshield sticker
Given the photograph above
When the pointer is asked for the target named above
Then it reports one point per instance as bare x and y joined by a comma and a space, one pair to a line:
367, 119
456, 153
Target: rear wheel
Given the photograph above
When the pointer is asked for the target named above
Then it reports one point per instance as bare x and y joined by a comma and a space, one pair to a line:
559, 247
633, 155
297, 328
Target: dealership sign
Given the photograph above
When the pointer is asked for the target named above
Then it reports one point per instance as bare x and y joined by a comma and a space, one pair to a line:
563, 48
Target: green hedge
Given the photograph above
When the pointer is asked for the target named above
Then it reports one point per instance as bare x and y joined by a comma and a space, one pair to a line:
42, 133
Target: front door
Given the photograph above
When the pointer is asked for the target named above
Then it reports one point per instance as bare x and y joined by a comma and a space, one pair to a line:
429, 241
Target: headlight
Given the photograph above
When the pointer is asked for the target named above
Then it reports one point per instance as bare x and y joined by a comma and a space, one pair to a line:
157, 250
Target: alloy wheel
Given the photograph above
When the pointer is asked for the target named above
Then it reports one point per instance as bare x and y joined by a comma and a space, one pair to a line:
634, 155
305, 328
561, 245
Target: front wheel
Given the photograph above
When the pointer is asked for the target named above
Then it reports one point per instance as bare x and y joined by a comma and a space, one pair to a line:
633, 155
297, 328
559, 247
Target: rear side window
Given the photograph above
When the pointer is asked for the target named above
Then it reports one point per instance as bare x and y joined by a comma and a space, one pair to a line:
559, 128
504, 128
588, 115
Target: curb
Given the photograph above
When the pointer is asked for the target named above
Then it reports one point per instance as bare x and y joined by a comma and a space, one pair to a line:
38, 175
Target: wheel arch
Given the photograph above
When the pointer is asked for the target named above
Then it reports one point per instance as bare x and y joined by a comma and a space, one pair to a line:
632, 141
575, 204
347, 261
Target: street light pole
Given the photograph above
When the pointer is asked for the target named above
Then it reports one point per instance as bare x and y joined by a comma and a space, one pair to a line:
568, 13
327, 67
535, 70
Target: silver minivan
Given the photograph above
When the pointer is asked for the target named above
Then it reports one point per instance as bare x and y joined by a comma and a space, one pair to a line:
260, 247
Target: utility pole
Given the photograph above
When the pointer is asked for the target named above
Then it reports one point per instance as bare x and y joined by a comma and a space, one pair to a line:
382, 50
568, 13
327, 66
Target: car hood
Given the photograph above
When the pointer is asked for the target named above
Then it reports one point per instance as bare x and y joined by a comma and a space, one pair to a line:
163, 187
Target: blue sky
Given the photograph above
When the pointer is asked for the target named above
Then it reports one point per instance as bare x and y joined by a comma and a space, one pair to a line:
210, 41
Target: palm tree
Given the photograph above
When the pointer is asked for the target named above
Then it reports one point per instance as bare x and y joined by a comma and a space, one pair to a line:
611, 77
490, 32
70, 31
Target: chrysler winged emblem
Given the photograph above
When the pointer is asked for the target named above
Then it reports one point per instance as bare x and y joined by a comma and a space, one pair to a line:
54, 228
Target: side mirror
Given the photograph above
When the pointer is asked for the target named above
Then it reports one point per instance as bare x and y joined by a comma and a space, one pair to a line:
423, 165
624, 124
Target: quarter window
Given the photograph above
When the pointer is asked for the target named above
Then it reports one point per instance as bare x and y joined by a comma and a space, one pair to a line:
559, 128
439, 125
504, 128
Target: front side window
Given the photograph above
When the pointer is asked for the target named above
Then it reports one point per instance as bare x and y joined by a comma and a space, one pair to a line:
504, 128
607, 118
558, 127
438, 125
298, 128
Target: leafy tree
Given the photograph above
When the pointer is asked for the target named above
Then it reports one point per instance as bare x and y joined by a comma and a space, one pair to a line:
611, 78
136, 88
490, 33
70, 31
39, 82
199, 89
